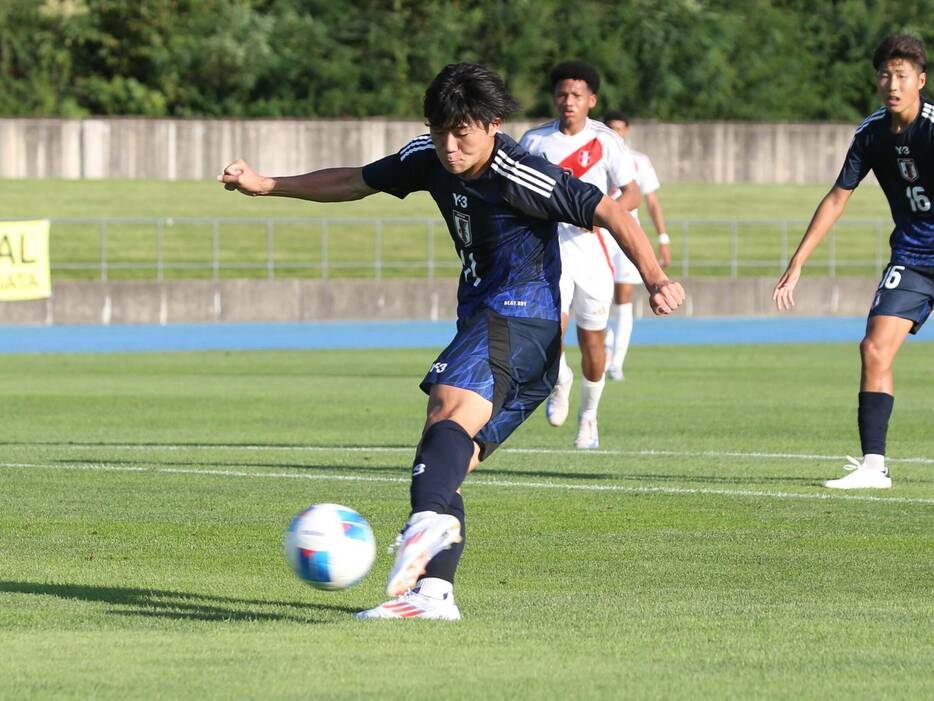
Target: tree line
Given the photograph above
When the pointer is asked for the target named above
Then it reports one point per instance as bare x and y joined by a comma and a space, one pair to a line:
675, 60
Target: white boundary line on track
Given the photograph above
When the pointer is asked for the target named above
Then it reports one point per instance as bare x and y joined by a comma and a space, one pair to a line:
517, 451
820, 496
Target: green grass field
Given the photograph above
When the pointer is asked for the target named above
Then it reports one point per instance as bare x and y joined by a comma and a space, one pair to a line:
243, 248
694, 556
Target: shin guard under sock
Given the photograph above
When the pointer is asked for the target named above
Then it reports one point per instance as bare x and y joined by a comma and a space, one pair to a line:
875, 408
444, 564
440, 466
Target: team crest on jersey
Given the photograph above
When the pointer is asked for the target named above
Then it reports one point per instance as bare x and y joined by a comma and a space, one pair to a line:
583, 159
462, 227
908, 169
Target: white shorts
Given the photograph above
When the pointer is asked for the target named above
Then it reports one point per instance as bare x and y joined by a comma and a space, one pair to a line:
586, 278
624, 270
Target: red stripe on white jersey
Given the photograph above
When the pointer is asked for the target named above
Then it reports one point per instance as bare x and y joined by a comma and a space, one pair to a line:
606, 252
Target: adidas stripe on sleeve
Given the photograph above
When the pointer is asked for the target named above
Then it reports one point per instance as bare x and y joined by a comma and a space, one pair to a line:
545, 191
404, 172
856, 166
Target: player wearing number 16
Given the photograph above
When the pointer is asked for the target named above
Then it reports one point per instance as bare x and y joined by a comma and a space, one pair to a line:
501, 206
896, 142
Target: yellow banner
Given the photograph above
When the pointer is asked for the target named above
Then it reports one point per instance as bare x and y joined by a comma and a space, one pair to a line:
24, 260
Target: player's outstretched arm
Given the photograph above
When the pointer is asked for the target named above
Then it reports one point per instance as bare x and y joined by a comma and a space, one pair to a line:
658, 221
826, 214
664, 295
328, 185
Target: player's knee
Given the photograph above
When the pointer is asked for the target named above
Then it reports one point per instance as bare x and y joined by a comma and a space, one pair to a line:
623, 294
874, 355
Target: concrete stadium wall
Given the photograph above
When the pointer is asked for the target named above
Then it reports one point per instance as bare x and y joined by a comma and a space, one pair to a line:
196, 149
134, 302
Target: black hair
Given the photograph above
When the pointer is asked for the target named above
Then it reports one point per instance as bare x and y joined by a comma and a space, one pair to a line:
467, 92
616, 116
900, 46
576, 70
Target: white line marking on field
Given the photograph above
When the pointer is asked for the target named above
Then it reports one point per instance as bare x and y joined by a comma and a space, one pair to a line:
820, 496
518, 451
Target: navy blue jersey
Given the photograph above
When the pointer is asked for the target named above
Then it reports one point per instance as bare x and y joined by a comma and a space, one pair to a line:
503, 223
904, 166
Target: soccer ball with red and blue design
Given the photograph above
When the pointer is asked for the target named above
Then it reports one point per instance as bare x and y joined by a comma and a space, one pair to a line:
330, 546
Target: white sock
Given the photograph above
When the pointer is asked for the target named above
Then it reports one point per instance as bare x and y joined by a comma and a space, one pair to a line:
590, 396
873, 461
434, 587
419, 515
622, 320
565, 374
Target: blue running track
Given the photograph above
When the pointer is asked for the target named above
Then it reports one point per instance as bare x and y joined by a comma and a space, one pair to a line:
403, 334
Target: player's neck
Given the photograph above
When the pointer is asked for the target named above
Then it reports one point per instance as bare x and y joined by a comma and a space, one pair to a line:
572, 128
903, 119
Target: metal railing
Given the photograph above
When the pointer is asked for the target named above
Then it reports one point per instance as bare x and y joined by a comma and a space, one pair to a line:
159, 248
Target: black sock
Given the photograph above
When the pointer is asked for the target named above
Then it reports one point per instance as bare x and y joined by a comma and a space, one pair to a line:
444, 564
440, 466
875, 408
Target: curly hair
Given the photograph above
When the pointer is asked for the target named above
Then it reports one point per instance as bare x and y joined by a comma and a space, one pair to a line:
576, 70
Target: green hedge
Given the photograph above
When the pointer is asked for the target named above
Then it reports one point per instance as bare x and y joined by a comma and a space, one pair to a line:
673, 60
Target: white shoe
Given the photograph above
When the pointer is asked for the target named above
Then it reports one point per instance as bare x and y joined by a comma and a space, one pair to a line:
614, 372
414, 604
556, 406
424, 536
861, 477
587, 437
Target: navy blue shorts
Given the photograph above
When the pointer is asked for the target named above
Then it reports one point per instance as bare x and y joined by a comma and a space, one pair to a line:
509, 361
906, 292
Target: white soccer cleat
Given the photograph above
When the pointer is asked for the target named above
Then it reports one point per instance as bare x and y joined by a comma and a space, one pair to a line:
861, 477
558, 402
414, 604
424, 536
587, 437
614, 372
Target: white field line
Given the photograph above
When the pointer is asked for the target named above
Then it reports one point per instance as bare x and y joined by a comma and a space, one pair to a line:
517, 451
819, 496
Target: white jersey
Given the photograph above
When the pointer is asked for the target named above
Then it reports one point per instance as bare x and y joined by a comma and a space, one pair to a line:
596, 154
624, 270
646, 178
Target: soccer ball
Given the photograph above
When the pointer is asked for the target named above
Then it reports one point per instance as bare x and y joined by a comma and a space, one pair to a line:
330, 546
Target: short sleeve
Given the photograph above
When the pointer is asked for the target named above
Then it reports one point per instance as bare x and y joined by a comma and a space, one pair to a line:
620, 161
544, 191
856, 165
646, 177
405, 172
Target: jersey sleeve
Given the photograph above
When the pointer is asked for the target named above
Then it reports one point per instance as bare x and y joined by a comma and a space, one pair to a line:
405, 172
856, 165
544, 191
646, 177
621, 165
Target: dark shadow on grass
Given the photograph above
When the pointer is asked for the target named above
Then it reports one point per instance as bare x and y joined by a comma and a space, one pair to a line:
716, 479
179, 605
245, 445
397, 469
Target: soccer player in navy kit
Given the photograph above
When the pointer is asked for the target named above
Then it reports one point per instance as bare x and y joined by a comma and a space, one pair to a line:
501, 206
897, 143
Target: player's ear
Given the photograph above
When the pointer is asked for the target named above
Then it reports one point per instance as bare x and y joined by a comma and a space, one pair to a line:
592, 100
922, 80
495, 126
